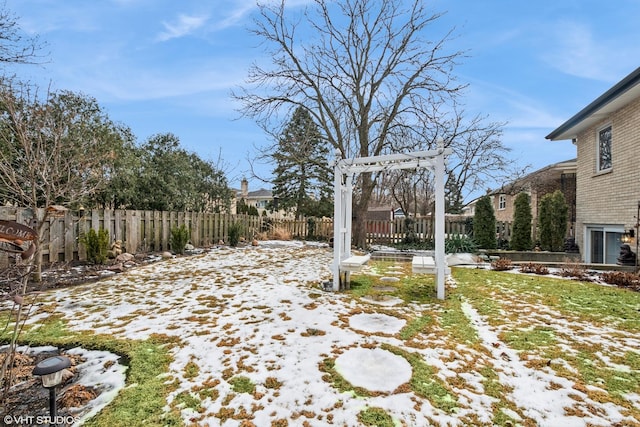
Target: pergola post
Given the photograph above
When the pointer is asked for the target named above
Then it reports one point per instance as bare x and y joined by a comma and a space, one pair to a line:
439, 220
338, 219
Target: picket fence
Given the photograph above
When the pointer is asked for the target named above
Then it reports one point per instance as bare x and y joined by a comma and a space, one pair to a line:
150, 231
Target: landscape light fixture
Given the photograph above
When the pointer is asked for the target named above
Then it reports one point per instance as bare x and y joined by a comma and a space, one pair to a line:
50, 371
628, 235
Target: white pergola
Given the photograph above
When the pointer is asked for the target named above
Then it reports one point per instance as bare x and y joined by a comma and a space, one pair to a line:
345, 171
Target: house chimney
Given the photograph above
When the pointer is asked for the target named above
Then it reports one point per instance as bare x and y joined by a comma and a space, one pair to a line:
244, 187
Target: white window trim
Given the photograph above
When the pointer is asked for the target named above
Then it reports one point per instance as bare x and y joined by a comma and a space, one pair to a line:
598, 130
502, 202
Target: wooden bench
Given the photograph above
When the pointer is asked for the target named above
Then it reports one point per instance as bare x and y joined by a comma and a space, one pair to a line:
349, 265
354, 263
426, 264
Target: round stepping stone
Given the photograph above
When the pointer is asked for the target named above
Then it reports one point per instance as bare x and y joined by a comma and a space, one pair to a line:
374, 369
383, 300
376, 323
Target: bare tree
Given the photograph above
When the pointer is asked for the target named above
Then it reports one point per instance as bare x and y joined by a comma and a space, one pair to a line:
479, 156
55, 151
16, 47
365, 71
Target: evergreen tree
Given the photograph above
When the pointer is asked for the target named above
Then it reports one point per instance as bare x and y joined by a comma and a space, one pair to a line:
243, 208
521, 238
553, 221
484, 224
302, 174
453, 195
173, 179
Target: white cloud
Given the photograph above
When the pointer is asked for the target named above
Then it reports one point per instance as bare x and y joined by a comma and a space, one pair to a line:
146, 84
185, 25
241, 9
236, 15
578, 50
509, 105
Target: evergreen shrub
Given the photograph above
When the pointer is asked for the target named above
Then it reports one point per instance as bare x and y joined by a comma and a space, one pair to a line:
96, 244
521, 234
235, 229
484, 224
179, 238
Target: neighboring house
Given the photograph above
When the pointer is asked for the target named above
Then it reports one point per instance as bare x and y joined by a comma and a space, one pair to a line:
380, 213
398, 213
559, 176
261, 198
607, 137
379, 218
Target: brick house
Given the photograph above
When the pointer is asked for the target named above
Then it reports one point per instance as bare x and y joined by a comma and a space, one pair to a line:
558, 176
606, 134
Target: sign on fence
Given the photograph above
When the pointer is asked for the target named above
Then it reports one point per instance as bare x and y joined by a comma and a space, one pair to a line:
14, 235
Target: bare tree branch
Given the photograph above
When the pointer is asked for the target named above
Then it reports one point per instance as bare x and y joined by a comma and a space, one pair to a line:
15, 46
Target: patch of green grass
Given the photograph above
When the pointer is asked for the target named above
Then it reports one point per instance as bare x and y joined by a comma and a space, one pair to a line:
380, 266
589, 301
531, 339
184, 399
632, 359
457, 324
416, 326
242, 384
600, 303
494, 388
361, 285
191, 370
375, 417
616, 382
53, 328
424, 382
492, 385
420, 288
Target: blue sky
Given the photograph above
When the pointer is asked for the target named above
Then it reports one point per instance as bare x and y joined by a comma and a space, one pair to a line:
169, 66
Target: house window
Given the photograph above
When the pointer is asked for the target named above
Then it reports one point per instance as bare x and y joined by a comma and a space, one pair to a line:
604, 149
502, 202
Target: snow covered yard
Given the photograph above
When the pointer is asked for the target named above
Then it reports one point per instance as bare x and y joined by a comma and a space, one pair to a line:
258, 342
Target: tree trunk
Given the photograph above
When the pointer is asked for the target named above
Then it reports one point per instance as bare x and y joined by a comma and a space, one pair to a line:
360, 208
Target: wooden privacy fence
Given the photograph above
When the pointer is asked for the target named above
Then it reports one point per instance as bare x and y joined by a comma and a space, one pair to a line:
389, 232
140, 231
150, 231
